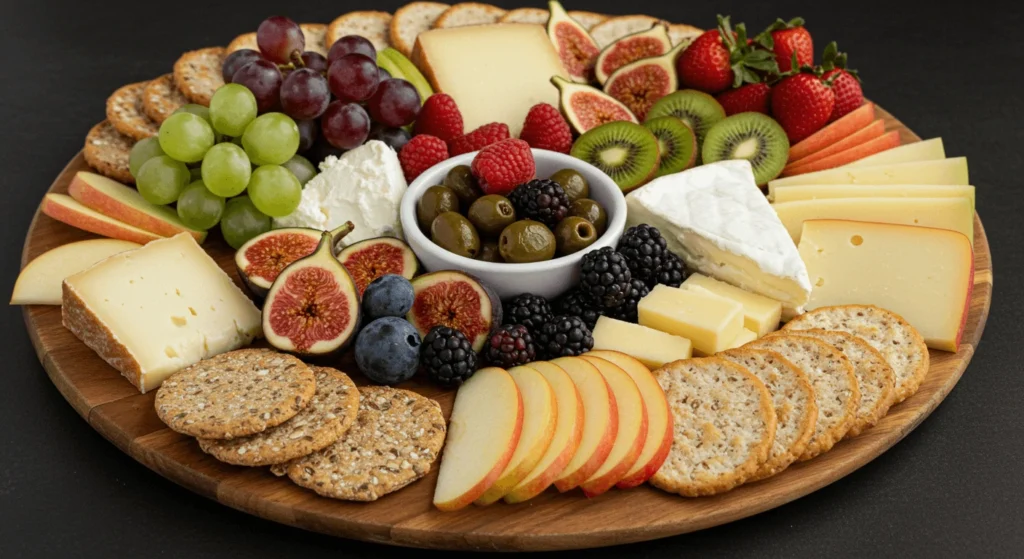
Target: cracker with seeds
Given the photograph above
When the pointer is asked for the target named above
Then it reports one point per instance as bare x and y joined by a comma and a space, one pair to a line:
161, 98
243, 41
396, 438
124, 111
723, 426
315, 35
198, 74
107, 151
587, 19
327, 418
235, 394
372, 25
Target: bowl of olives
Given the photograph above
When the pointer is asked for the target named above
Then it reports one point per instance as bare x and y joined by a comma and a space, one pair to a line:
529, 240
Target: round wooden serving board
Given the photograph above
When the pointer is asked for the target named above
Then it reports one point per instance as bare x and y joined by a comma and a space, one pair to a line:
551, 521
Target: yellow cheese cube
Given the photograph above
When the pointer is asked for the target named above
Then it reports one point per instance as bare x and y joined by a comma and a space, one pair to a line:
954, 214
942, 171
926, 150
816, 191
710, 322
760, 314
650, 347
745, 337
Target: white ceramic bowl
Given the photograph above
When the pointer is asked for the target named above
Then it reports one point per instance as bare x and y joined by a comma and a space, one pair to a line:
550, 278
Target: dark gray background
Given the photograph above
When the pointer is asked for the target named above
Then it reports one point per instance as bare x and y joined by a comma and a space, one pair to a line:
951, 488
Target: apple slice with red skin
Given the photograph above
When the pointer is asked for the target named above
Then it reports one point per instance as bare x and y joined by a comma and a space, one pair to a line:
68, 210
601, 422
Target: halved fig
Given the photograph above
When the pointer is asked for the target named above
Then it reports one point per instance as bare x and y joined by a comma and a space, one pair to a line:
457, 300
312, 309
644, 44
370, 259
262, 259
640, 83
587, 107
575, 47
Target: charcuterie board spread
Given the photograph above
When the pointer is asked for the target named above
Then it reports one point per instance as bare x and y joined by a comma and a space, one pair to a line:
462, 277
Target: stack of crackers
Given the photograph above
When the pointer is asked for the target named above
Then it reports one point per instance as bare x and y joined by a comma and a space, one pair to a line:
256, 407
748, 413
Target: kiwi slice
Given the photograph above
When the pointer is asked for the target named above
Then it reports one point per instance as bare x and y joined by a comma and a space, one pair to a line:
751, 136
697, 109
677, 144
625, 151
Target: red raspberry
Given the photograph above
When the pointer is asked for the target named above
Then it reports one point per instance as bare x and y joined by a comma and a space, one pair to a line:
439, 117
479, 139
421, 153
546, 128
501, 167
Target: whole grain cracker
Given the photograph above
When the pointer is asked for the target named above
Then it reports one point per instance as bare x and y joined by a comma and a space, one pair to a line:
235, 394
372, 25
124, 111
107, 151
412, 19
198, 74
316, 37
538, 16
161, 98
327, 418
396, 438
243, 41
587, 19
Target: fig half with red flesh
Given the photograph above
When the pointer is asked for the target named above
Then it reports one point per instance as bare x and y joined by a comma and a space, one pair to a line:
575, 47
312, 309
587, 107
370, 259
262, 258
457, 300
640, 83
644, 44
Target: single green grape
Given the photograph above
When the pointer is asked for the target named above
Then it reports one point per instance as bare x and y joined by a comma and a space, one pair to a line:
301, 168
241, 221
186, 137
161, 179
226, 170
274, 190
199, 208
232, 108
271, 139
143, 151
195, 109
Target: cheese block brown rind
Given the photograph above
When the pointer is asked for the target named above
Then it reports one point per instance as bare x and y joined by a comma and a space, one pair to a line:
83, 323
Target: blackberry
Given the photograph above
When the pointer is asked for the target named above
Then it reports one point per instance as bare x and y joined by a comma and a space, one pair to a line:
644, 250
540, 200
578, 303
672, 272
447, 356
565, 336
605, 277
627, 310
529, 310
511, 345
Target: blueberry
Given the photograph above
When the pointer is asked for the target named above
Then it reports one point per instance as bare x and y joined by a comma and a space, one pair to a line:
389, 295
388, 350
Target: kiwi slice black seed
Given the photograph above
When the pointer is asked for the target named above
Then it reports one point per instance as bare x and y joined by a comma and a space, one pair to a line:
751, 136
625, 151
676, 143
697, 109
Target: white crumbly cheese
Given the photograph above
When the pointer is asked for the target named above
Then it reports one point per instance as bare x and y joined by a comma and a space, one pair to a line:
716, 218
364, 186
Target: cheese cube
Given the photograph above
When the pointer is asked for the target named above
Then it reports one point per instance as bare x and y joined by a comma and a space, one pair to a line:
744, 338
816, 191
152, 311
942, 171
927, 150
760, 314
650, 347
710, 322
495, 73
924, 275
954, 214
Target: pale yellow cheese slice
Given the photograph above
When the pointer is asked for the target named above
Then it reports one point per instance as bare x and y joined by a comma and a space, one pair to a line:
955, 214
710, 322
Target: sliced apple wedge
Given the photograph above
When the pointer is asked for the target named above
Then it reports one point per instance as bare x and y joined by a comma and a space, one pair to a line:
600, 422
124, 203
540, 415
483, 432
659, 420
565, 440
632, 433
68, 210
39, 283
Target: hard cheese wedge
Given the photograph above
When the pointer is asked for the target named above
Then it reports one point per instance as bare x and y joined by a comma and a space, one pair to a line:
760, 314
495, 73
710, 322
818, 191
151, 311
942, 171
651, 347
924, 275
927, 150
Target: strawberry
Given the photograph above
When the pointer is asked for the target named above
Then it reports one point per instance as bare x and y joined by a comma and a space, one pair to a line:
789, 39
751, 97
721, 58
501, 167
546, 128
845, 83
439, 117
802, 104
479, 139
421, 153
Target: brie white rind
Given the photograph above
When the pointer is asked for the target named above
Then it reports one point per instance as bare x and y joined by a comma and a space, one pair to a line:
718, 221
364, 186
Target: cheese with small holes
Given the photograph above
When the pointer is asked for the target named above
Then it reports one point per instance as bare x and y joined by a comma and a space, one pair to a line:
925, 150
651, 347
760, 314
154, 310
818, 191
710, 322
941, 171
924, 275
495, 73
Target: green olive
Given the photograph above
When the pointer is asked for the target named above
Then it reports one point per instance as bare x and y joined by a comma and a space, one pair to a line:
454, 233
491, 214
573, 183
461, 180
489, 252
527, 241
435, 201
592, 212
574, 234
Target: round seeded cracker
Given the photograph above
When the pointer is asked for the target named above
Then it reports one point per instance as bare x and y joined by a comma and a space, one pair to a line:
107, 151
124, 111
161, 98
198, 74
